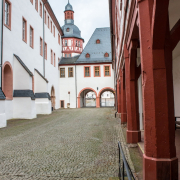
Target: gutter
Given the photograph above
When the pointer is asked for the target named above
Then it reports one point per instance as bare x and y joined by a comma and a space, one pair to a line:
1, 61
44, 41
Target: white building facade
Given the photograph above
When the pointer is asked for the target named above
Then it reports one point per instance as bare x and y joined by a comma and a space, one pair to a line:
89, 72
30, 73
44, 67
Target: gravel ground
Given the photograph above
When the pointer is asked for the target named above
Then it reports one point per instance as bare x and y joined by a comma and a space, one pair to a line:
68, 144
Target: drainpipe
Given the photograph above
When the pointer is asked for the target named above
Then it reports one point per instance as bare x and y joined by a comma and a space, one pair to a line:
115, 76
44, 41
1, 61
76, 85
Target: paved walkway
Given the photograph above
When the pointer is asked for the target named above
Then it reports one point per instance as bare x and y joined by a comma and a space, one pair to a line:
69, 144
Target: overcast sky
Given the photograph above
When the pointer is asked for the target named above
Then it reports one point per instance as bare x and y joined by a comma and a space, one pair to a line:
89, 14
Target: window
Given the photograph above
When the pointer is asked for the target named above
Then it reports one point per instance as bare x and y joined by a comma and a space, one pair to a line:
36, 5
7, 14
66, 43
87, 55
106, 55
97, 41
107, 71
65, 55
51, 56
79, 44
69, 55
59, 39
70, 72
54, 60
62, 72
67, 30
76, 43
87, 72
48, 21
51, 26
24, 30
97, 71
54, 30
31, 34
41, 48
40, 9
45, 17
45, 50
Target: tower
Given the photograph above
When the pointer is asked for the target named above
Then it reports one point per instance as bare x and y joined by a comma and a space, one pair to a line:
72, 40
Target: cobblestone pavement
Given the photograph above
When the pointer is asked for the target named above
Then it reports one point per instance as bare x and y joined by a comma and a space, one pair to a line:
68, 144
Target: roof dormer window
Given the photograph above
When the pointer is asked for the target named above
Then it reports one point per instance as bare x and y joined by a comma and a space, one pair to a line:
97, 41
87, 55
67, 29
106, 55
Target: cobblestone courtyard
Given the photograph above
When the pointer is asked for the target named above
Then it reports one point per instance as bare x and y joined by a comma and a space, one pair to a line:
69, 144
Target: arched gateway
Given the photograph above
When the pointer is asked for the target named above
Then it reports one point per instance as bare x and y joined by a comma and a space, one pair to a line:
106, 97
82, 98
89, 102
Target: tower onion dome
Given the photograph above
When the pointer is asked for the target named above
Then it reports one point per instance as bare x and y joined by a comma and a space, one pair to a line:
68, 7
70, 29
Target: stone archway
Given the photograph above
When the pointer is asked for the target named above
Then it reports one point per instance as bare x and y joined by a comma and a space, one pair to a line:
53, 97
106, 89
82, 95
7, 81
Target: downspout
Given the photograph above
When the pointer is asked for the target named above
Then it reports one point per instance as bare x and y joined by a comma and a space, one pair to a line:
115, 78
43, 42
1, 61
76, 84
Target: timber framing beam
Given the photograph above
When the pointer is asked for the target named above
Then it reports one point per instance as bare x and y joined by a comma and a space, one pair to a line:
175, 35
159, 22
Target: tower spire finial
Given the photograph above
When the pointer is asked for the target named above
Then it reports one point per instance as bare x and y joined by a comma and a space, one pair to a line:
68, 1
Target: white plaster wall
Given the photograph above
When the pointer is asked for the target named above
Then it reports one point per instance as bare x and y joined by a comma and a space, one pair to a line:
68, 84
75, 54
43, 106
176, 81
21, 78
13, 44
3, 122
40, 85
0, 33
9, 109
94, 82
24, 108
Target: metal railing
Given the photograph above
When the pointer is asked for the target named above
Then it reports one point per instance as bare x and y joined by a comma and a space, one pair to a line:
124, 169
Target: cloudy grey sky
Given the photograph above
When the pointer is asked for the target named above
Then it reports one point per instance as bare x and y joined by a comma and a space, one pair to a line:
89, 14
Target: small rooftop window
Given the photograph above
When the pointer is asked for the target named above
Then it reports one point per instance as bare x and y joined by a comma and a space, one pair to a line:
67, 29
106, 55
87, 55
97, 41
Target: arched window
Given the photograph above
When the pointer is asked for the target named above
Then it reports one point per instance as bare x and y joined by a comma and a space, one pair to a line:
106, 55
8, 81
97, 41
67, 29
87, 55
